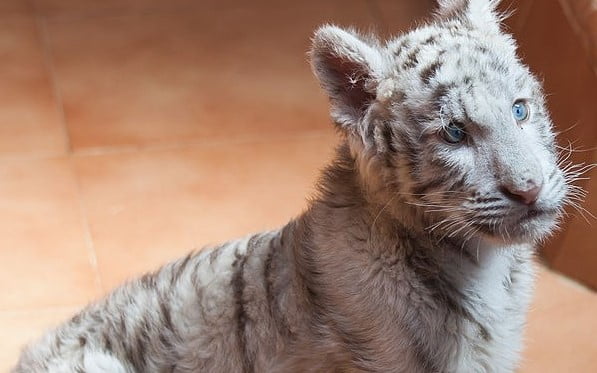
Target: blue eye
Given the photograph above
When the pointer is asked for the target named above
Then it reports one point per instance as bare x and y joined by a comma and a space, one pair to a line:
453, 133
520, 111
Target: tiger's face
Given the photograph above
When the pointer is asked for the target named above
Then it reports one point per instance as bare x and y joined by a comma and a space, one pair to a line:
456, 122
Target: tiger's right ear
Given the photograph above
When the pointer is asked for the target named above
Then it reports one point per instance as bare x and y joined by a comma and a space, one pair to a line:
482, 14
450, 8
349, 69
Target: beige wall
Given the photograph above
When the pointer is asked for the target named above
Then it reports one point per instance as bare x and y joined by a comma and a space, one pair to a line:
557, 39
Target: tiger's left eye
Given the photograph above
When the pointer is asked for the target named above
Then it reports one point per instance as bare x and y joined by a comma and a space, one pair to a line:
520, 110
453, 133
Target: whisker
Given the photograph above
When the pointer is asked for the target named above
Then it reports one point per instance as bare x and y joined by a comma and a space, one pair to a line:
382, 210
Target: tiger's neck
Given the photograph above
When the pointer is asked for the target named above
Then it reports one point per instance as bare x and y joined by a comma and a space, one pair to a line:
358, 263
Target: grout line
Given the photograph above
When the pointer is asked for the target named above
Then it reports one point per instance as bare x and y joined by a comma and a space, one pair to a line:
91, 252
248, 139
25, 157
48, 62
568, 281
199, 143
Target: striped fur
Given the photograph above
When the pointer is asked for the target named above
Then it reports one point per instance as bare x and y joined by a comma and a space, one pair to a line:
411, 257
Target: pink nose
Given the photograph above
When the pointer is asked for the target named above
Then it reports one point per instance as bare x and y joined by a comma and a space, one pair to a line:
527, 196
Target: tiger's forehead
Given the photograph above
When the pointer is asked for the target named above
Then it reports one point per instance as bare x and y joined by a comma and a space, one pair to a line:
450, 35
438, 60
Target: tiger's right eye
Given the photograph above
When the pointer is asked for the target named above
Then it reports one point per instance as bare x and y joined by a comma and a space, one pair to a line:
520, 110
453, 133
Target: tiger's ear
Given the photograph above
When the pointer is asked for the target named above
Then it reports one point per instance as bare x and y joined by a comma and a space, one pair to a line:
482, 14
349, 69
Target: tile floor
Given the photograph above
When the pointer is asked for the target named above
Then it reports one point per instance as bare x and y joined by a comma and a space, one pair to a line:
133, 131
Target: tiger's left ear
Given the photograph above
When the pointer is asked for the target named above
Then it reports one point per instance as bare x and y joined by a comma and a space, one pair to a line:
482, 14
350, 69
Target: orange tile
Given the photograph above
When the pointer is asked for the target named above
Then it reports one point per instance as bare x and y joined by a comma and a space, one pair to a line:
20, 328
150, 207
44, 255
562, 327
11, 7
29, 119
175, 78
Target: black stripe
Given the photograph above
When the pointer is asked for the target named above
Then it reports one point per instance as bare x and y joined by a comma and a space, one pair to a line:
122, 326
107, 342
418, 117
76, 320
388, 137
467, 118
166, 315
267, 269
403, 44
142, 344
238, 284
147, 281
410, 150
58, 343
166, 344
434, 280
553, 174
438, 284
507, 282
215, 253
483, 332
441, 91
499, 66
458, 184
139, 348
487, 199
430, 40
434, 183
271, 293
179, 268
490, 208
412, 59
482, 49
430, 71
422, 189
370, 130
455, 245
428, 275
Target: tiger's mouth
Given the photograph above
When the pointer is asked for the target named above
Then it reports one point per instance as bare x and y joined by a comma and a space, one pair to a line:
535, 213
531, 225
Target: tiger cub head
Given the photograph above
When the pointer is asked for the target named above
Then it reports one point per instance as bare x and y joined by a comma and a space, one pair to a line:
447, 120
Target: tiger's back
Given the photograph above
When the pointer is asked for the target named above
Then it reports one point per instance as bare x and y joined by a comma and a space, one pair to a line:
195, 314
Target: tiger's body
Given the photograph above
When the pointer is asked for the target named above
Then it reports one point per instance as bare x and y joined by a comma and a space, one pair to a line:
414, 256
270, 303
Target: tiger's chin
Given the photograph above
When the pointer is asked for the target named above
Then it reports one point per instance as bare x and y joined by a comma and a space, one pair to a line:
531, 227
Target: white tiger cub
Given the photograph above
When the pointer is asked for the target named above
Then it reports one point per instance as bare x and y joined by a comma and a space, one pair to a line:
416, 253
